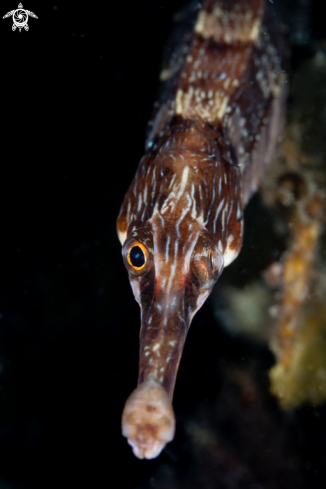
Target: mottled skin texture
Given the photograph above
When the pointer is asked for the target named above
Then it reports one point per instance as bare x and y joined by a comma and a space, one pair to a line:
214, 129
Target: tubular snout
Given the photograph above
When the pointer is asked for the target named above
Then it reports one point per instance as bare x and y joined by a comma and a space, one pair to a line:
148, 420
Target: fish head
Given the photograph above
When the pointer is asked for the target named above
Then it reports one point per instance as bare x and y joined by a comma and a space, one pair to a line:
173, 261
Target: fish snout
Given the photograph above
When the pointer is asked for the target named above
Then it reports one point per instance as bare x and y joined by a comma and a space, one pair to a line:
148, 420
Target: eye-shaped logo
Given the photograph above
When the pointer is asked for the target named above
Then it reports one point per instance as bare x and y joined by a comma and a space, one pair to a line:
20, 18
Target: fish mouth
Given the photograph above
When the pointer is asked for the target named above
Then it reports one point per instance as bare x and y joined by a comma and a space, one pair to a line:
148, 420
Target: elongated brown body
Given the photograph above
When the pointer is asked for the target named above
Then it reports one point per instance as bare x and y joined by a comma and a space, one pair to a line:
214, 129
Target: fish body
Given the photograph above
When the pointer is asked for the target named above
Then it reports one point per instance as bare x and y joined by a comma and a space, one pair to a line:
214, 129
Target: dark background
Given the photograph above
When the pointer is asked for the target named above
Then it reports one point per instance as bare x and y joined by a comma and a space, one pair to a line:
76, 94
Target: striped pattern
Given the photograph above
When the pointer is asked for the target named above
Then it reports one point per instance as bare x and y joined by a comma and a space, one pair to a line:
213, 130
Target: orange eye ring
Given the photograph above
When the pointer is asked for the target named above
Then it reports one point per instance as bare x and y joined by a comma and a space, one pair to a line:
137, 256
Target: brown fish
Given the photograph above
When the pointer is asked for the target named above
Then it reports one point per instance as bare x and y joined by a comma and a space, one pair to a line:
214, 129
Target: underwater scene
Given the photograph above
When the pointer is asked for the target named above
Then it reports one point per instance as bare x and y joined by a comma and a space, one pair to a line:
249, 404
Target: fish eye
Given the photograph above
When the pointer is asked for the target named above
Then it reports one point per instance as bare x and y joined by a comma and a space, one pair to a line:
216, 262
137, 256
